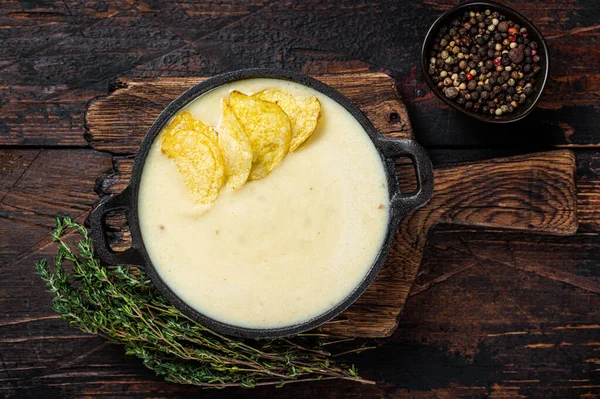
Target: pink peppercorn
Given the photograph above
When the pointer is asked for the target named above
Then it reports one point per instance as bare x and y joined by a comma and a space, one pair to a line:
533, 52
469, 76
497, 61
512, 38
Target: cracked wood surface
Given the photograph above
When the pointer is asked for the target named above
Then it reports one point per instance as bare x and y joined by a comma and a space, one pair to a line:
492, 313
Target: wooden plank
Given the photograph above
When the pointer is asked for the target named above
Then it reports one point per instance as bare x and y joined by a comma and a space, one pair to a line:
477, 330
49, 48
118, 122
52, 120
36, 185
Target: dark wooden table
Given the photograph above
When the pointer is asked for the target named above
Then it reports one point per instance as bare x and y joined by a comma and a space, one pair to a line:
494, 314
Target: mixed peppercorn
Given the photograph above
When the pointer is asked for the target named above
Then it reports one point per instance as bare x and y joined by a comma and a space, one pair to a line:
484, 62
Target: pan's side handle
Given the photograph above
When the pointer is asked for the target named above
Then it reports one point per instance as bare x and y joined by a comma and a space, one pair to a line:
122, 202
393, 148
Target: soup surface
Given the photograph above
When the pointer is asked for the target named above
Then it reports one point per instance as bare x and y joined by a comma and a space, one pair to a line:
280, 250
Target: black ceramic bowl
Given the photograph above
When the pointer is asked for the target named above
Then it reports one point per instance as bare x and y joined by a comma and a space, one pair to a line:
534, 34
400, 203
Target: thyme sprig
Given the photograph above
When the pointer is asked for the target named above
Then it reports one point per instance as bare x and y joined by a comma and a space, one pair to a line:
121, 304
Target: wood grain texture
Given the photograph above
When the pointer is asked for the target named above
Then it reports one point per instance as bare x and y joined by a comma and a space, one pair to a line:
492, 314
36, 185
529, 192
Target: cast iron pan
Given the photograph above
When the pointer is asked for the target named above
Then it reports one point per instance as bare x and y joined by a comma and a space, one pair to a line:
389, 149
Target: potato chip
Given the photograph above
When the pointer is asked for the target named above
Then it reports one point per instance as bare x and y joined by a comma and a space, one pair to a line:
236, 149
197, 157
185, 120
303, 112
268, 129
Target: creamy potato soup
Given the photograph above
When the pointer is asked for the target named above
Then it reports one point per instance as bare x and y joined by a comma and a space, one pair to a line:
280, 250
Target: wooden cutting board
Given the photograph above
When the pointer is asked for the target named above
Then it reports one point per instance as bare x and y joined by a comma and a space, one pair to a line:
533, 192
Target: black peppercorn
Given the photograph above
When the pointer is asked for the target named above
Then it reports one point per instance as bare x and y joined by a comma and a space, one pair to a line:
516, 55
451, 92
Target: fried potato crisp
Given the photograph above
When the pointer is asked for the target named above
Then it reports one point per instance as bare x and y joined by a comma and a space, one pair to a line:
236, 149
268, 128
185, 120
303, 112
197, 157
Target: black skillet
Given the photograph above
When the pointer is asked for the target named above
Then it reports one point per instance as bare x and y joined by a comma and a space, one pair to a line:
389, 149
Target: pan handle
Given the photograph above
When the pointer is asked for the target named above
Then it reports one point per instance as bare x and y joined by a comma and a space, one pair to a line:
395, 147
122, 202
